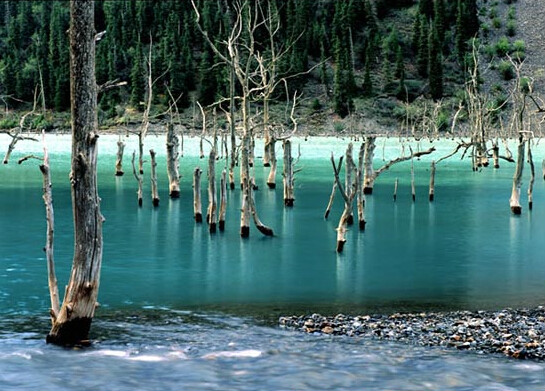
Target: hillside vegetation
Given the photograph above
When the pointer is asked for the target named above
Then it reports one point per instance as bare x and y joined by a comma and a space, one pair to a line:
383, 60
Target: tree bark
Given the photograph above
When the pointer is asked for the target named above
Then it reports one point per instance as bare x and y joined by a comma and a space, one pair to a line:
223, 200
349, 184
153, 178
50, 239
532, 177
369, 174
173, 146
514, 201
119, 158
138, 177
197, 203
73, 322
331, 199
272, 162
432, 181
359, 189
211, 217
289, 197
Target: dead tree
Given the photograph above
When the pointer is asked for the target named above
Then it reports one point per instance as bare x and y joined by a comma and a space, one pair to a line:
173, 148
360, 195
370, 174
532, 177
348, 202
139, 181
197, 202
153, 178
288, 175
514, 201
431, 194
223, 200
16, 135
72, 323
211, 213
241, 55
119, 158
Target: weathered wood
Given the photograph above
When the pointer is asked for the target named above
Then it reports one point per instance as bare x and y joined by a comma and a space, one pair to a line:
289, 197
119, 158
50, 238
348, 201
349, 184
514, 201
360, 200
211, 215
432, 181
139, 181
73, 322
532, 177
331, 199
395, 189
413, 189
369, 173
153, 179
197, 203
272, 162
173, 147
223, 200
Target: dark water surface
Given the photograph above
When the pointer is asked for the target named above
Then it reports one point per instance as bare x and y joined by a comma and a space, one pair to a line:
183, 309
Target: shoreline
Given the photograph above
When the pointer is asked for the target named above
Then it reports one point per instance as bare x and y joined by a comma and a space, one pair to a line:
516, 333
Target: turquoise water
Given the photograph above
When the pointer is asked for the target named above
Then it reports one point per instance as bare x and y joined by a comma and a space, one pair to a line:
181, 306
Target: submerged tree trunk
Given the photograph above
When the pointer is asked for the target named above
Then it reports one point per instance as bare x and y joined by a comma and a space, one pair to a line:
119, 158
395, 189
153, 177
359, 189
532, 177
289, 197
496, 155
138, 177
514, 201
413, 189
349, 184
211, 216
223, 200
369, 174
432, 181
272, 163
73, 322
331, 199
197, 203
173, 146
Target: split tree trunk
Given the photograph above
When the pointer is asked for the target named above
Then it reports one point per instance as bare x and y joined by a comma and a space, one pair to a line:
432, 181
173, 146
514, 201
223, 200
73, 323
197, 203
289, 197
119, 158
153, 177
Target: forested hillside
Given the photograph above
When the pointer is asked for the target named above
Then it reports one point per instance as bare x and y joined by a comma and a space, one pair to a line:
337, 52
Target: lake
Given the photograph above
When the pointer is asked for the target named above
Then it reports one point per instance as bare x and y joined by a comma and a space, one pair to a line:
184, 309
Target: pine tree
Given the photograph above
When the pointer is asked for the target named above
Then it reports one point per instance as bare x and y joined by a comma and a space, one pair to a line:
400, 65
439, 19
422, 59
416, 32
436, 66
461, 32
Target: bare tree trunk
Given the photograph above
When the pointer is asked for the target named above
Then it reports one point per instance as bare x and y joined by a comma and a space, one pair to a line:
395, 189
349, 184
138, 177
341, 227
246, 188
153, 177
197, 203
496, 155
173, 146
211, 217
532, 177
331, 199
50, 238
73, 322
359, 188
271, 179
432, 181
232, 128
369, 174
289, 196
223, 200
413, 190
119, 158
514, 201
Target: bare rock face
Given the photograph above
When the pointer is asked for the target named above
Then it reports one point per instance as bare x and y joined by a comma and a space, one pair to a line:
530, 26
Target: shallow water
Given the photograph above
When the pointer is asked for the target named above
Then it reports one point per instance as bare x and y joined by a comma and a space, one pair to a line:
181, 307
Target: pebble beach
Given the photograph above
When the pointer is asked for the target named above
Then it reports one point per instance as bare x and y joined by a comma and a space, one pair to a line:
516, 333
